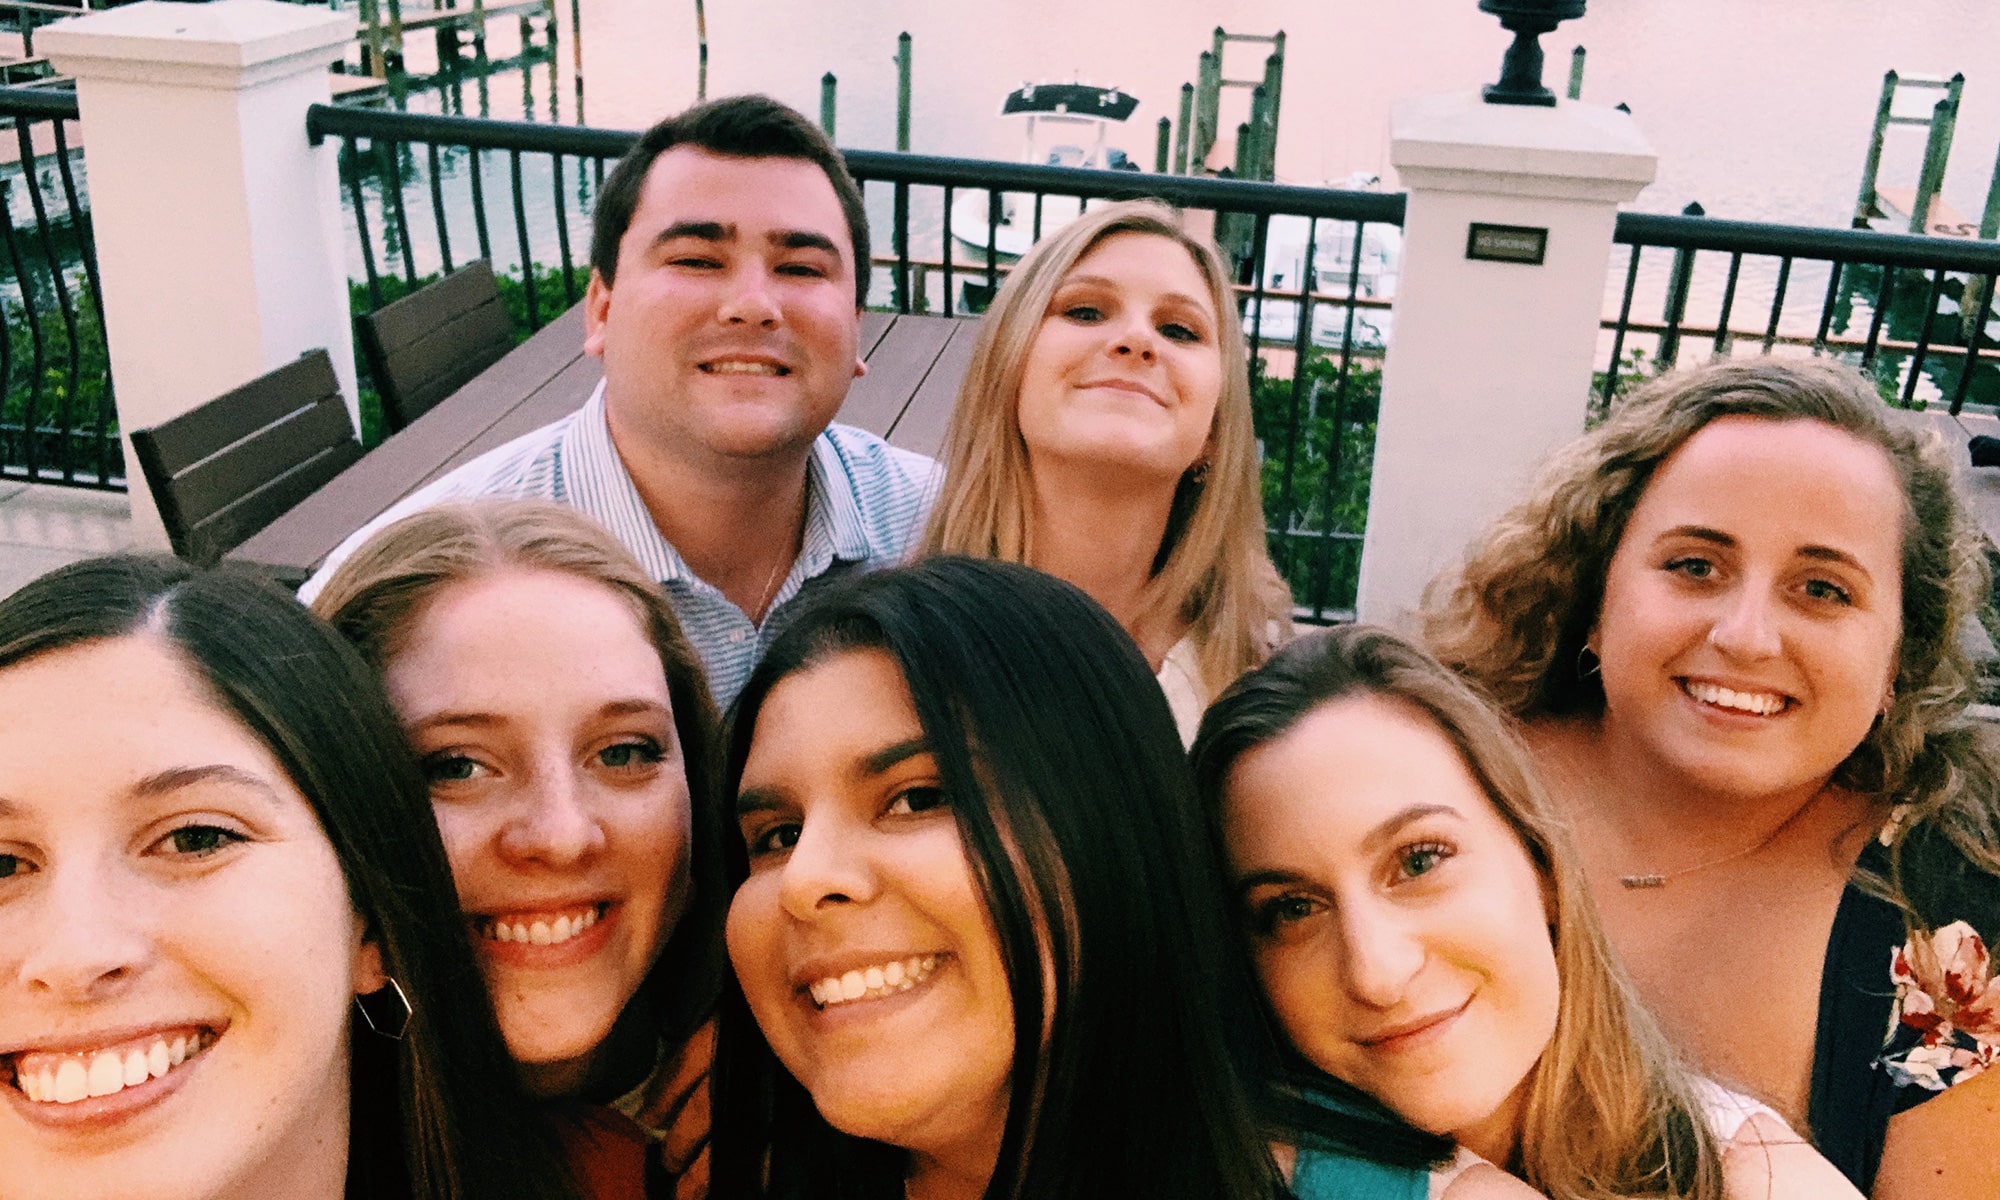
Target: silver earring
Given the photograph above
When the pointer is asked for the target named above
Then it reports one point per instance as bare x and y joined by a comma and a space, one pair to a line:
394, 1022
1586, 670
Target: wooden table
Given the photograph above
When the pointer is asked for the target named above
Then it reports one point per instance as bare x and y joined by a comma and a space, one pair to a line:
915, 364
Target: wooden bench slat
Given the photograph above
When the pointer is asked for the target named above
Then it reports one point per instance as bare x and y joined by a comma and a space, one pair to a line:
240, 412
211, 539
409, 319
219, 481
873, 325
921, 426
898, 365
433, 367
301, 539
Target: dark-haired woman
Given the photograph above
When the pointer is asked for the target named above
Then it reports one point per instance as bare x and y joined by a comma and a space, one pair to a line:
228, 958
970, 924
1730, 618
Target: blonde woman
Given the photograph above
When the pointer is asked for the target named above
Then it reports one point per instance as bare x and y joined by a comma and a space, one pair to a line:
1730, 618
1103, 435
1421, 933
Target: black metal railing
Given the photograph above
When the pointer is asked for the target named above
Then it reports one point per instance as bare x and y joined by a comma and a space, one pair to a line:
1913, 311
58, 422
1314, 269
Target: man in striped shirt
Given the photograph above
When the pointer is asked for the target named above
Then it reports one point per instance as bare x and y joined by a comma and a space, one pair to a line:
729, 267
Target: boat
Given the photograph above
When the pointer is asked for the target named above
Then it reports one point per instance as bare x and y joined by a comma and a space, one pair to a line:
1333, 271
1068, 125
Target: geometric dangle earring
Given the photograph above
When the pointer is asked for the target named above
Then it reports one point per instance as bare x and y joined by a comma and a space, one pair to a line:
394, 1018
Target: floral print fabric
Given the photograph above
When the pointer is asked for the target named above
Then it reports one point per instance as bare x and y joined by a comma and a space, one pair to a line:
1903, 1015
1947, 1015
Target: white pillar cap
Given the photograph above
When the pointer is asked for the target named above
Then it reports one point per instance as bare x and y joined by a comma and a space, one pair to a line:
1459, 143
228, 44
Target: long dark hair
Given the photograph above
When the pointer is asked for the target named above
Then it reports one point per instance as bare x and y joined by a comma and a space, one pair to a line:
436, 1115
1075, 808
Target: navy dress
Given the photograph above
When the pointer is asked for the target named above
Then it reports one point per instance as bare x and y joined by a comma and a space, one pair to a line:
1903, 1017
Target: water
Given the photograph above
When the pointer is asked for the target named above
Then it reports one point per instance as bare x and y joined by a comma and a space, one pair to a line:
1760, 109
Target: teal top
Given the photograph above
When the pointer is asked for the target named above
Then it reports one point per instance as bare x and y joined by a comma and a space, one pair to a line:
1323, 1175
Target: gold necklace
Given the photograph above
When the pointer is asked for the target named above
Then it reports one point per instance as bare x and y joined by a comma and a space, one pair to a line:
1657, 879
770, 590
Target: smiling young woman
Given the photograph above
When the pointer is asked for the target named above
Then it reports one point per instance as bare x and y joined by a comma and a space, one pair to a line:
212, 849
1103, 434
1730, 618
970, 954
1422, 933
569, 742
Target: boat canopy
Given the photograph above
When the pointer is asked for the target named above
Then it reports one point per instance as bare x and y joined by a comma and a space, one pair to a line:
1069, 99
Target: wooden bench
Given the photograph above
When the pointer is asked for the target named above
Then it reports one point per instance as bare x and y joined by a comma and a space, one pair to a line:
220, 472
915, 364
432, 342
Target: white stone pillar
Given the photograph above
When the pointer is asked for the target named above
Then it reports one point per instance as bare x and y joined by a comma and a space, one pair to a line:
1489, 363
218, 226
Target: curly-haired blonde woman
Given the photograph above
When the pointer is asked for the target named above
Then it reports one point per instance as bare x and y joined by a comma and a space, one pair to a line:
1103, 435
1729, 619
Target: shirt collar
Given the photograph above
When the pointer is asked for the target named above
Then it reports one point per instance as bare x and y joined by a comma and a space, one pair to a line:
592, 477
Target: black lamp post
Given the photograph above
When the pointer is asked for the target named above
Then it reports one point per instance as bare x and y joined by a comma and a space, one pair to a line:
1521, 71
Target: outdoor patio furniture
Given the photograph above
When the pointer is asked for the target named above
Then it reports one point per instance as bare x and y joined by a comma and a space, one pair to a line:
431, 342
915, 364
221, 472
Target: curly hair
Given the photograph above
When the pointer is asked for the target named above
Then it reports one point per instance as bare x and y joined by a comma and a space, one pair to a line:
1516, 614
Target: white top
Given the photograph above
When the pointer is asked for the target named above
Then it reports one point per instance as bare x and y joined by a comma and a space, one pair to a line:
1180, 679
1727, 1110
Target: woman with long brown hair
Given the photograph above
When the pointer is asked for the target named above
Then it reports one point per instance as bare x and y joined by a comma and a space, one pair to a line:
1413, 910
1103, 435
570, 744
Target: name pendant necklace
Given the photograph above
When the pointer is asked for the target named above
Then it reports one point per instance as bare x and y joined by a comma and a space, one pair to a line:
1659, 879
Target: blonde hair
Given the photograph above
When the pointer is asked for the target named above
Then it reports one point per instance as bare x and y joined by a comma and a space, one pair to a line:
375, 598
1213, 569
1611, 1107
1516, 615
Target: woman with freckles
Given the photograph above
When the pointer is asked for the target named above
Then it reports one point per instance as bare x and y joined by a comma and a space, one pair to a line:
1103, 435
1730, 619
568, 738
967, 925
228, 969
1420, 932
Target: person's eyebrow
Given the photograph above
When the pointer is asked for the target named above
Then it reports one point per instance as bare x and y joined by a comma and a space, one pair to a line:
888, 756
1256, 879
1388, 829
473, 720
173, 779
1198, 303
803, 239
757, 799
7, 808
1700, 533
634, 706
701, 231
1829, 554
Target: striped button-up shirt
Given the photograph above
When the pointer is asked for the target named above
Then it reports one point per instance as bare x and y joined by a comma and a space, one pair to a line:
865, 505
